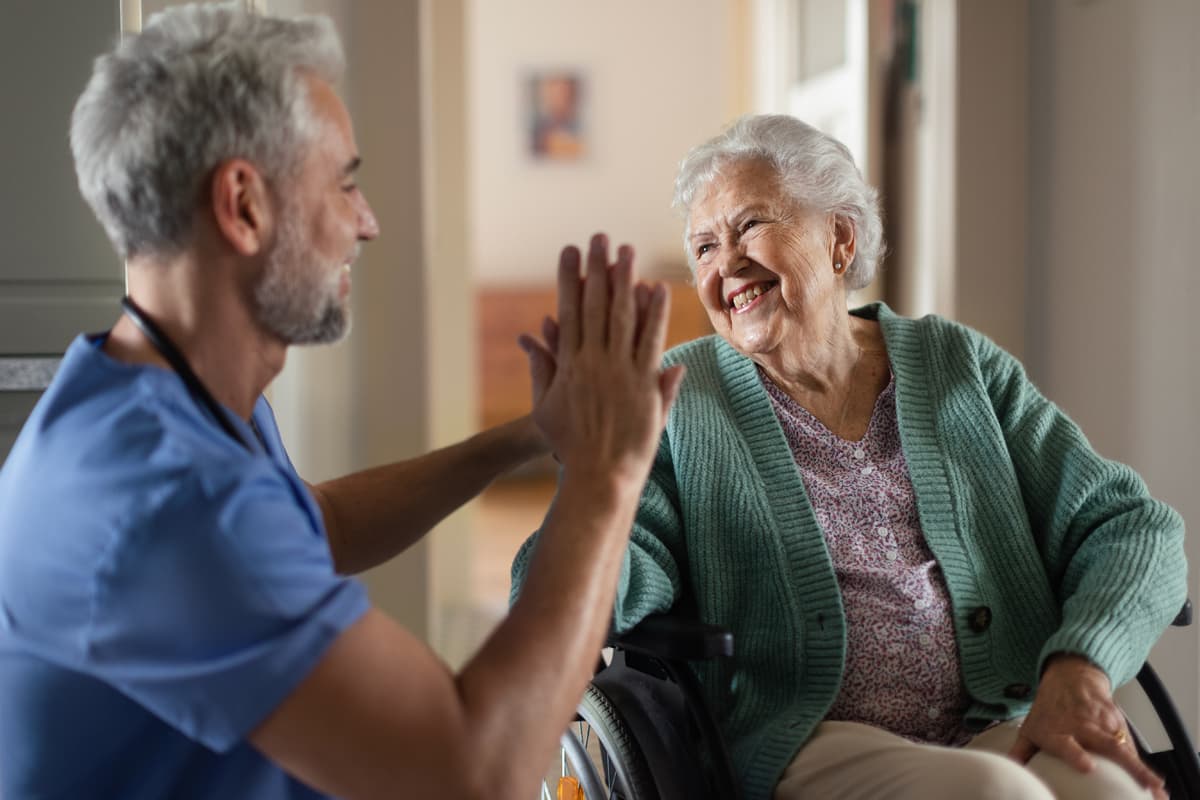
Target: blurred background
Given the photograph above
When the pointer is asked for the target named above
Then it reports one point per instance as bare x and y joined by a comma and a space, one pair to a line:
1037, 160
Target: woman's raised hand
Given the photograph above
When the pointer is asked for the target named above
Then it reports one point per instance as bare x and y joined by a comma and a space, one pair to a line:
601, 396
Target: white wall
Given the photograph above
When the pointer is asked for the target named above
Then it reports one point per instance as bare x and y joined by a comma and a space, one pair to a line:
1114, 213
658, 82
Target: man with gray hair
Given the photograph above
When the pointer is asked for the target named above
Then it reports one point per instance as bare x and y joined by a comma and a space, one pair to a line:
175, 620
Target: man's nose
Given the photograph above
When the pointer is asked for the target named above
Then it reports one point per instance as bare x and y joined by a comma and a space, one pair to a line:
368, 226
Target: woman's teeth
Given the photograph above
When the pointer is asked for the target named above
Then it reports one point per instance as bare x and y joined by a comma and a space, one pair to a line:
743, 299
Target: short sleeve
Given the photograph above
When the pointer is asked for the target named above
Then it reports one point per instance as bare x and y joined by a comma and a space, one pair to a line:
210, 609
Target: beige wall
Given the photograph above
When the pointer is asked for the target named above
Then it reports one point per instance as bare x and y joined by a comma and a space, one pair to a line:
991, 180
659, 81
1114, 207
451, 389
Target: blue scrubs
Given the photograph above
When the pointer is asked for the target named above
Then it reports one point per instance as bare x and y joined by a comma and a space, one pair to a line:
161, 591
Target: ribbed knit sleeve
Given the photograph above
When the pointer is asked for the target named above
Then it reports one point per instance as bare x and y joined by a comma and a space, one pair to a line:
1114, 555
520, 566
650, 576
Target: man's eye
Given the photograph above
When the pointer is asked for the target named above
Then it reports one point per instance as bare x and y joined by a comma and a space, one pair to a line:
350, 187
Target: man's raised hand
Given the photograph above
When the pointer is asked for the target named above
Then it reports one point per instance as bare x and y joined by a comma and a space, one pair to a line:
600, 394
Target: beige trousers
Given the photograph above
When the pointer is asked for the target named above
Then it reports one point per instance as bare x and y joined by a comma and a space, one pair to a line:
848, 761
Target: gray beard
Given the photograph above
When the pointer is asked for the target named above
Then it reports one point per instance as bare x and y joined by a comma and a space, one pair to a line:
293, 302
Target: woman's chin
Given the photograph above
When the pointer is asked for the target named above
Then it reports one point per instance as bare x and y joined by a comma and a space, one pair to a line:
753, 342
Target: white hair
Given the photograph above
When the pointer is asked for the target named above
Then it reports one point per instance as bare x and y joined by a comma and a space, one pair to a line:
201, 84
814, 168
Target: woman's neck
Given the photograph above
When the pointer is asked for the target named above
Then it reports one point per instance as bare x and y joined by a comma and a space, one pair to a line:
818, 364
836, 377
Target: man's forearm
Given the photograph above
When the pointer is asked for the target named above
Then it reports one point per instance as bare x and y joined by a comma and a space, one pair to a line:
372, 515
548, 644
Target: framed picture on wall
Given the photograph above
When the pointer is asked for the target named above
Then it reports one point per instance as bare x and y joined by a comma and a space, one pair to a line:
555, 115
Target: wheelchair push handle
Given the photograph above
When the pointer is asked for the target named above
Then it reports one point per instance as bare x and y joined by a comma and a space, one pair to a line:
675, 638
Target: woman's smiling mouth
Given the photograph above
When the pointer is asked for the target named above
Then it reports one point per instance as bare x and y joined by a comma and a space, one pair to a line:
744, 298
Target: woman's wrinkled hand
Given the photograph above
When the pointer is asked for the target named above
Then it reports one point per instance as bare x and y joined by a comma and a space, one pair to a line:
600, 394
1074, 715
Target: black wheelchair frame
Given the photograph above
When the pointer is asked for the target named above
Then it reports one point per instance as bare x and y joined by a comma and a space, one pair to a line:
661, 742
1179, 766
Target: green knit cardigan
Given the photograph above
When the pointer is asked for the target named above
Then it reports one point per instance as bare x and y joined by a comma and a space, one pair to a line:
1045, 546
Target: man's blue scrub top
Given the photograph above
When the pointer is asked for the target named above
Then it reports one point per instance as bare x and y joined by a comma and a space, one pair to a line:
161, 591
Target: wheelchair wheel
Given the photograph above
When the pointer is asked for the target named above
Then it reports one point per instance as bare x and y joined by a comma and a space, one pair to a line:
599, 753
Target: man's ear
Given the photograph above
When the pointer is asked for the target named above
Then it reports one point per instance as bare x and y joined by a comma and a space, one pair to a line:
241, 206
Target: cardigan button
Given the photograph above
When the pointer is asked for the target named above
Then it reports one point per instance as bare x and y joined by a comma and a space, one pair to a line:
980, 619
1017, 691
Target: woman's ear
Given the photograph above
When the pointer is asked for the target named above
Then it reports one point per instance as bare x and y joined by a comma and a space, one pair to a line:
843, 241
241, 206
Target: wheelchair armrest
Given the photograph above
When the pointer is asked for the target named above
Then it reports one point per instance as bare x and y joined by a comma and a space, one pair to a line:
1185, 615
675, 638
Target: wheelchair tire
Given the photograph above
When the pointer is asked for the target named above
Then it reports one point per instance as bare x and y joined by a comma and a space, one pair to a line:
623, 765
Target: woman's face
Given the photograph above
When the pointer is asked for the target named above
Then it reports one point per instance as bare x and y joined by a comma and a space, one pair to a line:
764, 263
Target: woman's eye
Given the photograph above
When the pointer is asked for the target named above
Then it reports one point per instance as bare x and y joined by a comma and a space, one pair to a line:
748, 224
702, 249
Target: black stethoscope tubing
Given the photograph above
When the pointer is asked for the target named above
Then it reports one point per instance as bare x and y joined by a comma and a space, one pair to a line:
167, 349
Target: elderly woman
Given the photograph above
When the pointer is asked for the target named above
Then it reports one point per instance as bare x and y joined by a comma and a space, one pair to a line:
914, 549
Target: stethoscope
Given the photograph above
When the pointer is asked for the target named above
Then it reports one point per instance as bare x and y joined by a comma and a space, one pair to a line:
167, 349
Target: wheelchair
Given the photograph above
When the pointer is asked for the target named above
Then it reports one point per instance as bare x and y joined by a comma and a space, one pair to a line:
644, 732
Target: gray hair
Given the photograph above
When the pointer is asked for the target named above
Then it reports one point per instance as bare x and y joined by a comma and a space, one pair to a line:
816, 169
200, 85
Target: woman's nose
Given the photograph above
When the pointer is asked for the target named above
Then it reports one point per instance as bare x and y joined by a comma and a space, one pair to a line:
731, 260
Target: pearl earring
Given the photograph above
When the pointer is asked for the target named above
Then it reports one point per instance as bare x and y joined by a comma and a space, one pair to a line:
837, 267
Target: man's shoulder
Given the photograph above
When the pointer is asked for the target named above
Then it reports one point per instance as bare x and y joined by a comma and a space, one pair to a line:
99, 417
117, 484
109, 452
